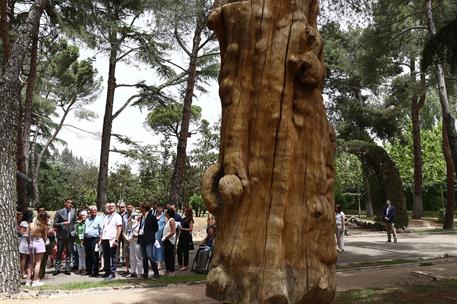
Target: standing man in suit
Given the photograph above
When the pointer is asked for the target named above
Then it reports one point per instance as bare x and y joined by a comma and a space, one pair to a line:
146, 238
64, 224
389, 218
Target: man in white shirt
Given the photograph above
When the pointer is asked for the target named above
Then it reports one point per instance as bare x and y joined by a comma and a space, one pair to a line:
110, 235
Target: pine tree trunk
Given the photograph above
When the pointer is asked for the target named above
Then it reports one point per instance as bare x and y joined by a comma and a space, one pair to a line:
450, 183
448, 119
180, 163
416, 105
24, 128
102, 189
272, 188
10, 86
4, 31
366, 185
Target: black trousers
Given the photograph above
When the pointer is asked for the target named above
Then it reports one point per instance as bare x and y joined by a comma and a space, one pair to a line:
67, 245
183, 253
92, 257
109, 258
169, 250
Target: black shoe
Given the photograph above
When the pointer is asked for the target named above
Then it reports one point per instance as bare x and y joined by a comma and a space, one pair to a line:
57, 272
389, 241
67, 272
110, 277
156, 276
144, 276
93, 275
132, 275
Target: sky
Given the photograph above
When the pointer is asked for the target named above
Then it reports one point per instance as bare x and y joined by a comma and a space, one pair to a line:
131, 121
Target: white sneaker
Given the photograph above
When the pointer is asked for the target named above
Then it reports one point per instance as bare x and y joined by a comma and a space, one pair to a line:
37, 283
28, 283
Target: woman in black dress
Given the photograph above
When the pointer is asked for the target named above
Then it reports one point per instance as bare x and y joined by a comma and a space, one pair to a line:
185, 243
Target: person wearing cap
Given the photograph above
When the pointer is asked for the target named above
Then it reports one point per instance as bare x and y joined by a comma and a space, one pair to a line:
80, 229
389, 218
23, 246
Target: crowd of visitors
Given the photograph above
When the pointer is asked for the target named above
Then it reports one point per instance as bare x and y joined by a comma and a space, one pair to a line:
86, 243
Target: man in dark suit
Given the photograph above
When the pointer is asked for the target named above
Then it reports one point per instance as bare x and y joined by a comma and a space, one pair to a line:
389, 218
146, 238
64, 224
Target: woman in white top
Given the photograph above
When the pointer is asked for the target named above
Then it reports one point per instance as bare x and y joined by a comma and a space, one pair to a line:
340, 217
169, 241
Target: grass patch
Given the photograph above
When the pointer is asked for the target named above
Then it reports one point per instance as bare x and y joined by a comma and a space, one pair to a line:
163, 280
440, 292
376, 263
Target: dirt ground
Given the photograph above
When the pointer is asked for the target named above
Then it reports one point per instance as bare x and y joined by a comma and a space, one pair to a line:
381, 278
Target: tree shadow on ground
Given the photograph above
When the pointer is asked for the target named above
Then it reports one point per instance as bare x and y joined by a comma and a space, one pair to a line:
440, 292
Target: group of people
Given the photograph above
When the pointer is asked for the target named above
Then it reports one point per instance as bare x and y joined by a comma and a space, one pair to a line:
388, 214
149, 237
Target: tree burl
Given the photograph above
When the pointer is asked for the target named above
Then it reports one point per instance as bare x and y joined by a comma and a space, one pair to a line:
271, 189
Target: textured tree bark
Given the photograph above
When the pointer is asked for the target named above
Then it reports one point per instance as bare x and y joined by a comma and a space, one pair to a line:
102, 188
10, 86
450, 183
24, 123
180, 163
416, 105
271, 190
4, 29
448, 118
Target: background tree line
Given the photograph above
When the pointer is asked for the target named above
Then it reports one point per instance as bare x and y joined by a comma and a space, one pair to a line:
390, 93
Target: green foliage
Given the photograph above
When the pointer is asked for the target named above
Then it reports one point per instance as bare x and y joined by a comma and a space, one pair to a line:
443, 45
64, 175
434, 166
167, 119
196, 203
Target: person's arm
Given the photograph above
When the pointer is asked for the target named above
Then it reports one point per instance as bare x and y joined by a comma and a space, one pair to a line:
191, 226
172, 230
343, 224
118, 233
57, 220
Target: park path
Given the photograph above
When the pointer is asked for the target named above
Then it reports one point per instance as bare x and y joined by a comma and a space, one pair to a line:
195, 294
359, 248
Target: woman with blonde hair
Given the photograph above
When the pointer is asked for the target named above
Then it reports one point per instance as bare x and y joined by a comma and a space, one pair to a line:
37, 238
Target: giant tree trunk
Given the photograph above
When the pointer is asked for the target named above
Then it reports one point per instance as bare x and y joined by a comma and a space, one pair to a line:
416, 105
272, 188
24, 123
10, 86
180, 163
450, 183
102, 189
4, 31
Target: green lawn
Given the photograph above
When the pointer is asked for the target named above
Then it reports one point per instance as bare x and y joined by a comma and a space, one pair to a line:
119, 283
440, 292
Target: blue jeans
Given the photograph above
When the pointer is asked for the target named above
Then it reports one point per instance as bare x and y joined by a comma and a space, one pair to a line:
148, 256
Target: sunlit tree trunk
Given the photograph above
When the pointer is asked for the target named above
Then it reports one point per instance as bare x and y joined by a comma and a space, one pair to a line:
10, 86
272, 188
